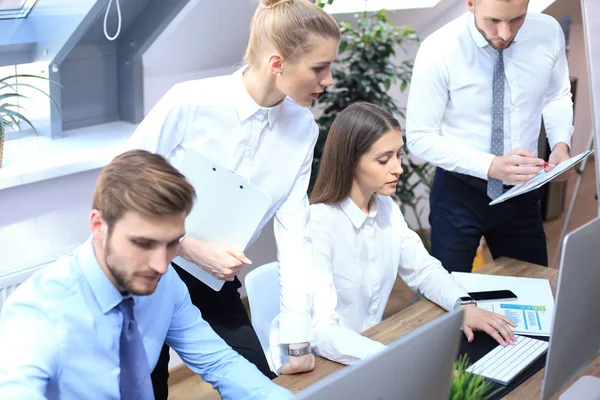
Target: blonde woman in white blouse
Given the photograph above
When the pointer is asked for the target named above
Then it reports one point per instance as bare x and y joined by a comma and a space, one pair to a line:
256, 123
361, 240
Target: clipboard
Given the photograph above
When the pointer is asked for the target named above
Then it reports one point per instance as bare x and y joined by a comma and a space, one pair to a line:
541, 178
227, 210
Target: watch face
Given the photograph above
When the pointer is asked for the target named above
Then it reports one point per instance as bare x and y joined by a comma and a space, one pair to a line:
466, 298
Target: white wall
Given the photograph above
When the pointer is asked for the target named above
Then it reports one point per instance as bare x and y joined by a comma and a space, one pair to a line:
578, 68
583, 109
44, 217
207, 38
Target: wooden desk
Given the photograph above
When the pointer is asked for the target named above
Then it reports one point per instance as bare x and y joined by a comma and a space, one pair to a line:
424, 311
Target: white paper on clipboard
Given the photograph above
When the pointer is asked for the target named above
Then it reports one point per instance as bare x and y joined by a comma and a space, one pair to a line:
541, 178
227, 209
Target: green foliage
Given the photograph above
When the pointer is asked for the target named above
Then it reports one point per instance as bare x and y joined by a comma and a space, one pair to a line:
468, 386
322, 3
365, 70
11, 113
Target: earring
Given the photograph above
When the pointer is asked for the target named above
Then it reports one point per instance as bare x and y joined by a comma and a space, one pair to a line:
279, 74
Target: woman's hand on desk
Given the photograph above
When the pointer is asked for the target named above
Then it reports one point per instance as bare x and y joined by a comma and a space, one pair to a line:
296, 365
221, 261
495, 325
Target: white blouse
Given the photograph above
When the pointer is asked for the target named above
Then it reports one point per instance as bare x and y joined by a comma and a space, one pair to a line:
357, 257
272, 148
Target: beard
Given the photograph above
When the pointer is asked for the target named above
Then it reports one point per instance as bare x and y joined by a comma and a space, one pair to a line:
490, 41
124, 282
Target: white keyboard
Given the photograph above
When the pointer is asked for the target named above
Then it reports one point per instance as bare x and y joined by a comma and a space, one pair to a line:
503, 364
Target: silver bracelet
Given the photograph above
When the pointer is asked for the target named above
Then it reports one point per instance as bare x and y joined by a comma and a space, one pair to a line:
299, 352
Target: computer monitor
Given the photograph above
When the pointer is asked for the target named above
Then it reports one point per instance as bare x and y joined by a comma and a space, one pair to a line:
416, 366
575, 337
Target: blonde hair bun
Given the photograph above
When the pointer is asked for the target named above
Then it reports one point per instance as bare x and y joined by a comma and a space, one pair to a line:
273, 3
287, 29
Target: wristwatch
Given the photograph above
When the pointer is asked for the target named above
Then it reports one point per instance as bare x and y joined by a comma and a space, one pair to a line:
464, 300
299, 352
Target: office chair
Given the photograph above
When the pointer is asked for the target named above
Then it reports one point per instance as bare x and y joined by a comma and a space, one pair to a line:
262, 286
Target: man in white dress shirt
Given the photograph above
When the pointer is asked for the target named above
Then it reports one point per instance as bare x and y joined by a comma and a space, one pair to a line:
480, 87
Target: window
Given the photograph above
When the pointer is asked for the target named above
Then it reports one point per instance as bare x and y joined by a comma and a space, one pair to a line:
15, 8
352, 6
540, 5
35, 105
4, 72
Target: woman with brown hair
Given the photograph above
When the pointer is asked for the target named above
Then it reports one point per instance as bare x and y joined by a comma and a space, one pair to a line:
361, 241
256, 124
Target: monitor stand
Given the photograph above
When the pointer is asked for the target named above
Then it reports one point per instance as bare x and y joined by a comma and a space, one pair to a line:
585, 388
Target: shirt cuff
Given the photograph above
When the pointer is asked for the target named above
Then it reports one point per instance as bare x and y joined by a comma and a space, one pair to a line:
562, 135
453, 295
480, 164
294, 328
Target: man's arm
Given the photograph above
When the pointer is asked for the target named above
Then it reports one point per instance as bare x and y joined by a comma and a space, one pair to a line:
205, 353
30, 347
558, 108
426, 106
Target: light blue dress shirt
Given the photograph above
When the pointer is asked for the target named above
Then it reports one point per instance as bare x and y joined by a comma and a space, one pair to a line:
59, 336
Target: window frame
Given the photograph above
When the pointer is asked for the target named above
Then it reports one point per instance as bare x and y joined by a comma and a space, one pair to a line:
12, 13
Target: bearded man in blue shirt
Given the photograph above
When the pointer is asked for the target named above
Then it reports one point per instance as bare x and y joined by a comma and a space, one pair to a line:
92, 325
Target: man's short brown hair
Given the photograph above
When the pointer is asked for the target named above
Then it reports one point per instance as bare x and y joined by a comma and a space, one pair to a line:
142, 182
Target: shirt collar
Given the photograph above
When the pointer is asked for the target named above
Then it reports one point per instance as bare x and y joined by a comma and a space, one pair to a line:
355, 214
104, 291
478, 38
245, 104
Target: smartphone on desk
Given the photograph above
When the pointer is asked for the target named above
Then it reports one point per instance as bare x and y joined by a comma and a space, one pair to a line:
493, 295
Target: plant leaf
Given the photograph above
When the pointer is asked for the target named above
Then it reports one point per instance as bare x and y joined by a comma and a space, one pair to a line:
20, 116
16, 85
9, 95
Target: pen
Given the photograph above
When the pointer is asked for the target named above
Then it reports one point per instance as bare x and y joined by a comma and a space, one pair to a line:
546, 163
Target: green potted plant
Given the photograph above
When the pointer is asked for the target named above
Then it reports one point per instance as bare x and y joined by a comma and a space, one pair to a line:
365, 71
11, 112
468, 386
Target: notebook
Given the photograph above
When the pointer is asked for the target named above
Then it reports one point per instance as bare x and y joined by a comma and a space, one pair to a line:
228, 209
541, 178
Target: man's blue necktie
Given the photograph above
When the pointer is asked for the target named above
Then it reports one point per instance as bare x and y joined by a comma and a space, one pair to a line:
134, 381
494, 188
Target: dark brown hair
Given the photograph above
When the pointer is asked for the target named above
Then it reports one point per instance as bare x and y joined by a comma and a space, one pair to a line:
142, 182
351, 135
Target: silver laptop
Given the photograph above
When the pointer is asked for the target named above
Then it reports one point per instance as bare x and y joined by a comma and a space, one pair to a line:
575, 337
416, 366
227, 210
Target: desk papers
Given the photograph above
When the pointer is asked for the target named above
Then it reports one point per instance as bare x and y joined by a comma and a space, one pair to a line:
532, 311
